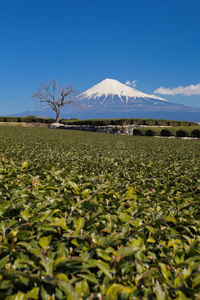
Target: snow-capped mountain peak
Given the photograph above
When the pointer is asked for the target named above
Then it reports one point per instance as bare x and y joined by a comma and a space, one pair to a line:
113, 88
112, 99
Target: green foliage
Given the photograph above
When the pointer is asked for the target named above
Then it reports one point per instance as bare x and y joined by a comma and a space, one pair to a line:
10, 119
31, 118
28, 119
25, 119
196, 133
150, 132
95, 216
100, 122
181, 133
49, 120
165, 132
157, 130
137, 132
128, 121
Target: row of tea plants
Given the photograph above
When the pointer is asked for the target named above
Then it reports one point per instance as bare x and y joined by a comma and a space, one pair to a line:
96, 216
182, 131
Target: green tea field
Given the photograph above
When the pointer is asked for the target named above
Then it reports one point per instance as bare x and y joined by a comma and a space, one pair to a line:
98, 216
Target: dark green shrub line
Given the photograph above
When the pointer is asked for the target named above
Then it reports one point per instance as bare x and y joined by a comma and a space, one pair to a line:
128, 121
183, 132
28, 119
100, 122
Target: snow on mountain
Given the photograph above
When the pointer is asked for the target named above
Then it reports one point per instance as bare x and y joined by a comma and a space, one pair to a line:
112, 88
112, 99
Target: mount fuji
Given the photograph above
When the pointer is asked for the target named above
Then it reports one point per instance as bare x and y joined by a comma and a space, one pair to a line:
112, 99
112, 92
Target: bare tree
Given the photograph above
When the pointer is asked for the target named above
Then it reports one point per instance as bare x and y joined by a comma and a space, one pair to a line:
49, 95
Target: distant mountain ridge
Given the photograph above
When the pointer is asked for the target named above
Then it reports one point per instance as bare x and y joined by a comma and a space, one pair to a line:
112, 99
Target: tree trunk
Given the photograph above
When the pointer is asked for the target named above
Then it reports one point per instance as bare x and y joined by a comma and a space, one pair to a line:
57, 115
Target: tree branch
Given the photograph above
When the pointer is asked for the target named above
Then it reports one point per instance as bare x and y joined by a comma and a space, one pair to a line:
50, 96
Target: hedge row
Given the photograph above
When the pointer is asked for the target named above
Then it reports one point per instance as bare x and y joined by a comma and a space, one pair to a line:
168, 132
28, 119
100, 122
150, 122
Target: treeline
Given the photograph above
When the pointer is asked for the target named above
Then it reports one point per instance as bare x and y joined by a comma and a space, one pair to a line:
130, 121
28, 119
100, 122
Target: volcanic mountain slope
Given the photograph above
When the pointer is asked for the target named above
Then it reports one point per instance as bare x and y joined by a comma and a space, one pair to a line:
112, 92
111, 95
112, 99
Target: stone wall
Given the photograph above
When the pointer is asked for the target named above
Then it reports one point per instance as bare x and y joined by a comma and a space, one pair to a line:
112, 129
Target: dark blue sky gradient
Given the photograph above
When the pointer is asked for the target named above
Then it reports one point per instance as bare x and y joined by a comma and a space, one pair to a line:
156, 42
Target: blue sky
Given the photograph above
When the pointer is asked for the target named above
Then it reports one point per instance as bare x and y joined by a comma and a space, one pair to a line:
156, 42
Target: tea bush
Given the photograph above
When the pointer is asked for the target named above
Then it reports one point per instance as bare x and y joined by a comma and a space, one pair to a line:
137, 132
196, 133
165, 132
98, 216
150, 132
181, 133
